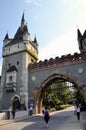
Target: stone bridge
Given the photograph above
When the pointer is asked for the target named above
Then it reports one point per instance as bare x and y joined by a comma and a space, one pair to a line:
69, 67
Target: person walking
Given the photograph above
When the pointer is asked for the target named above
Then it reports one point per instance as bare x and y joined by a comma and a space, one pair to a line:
31, 110
13, 111
46, 117
75, 109
43, 110
8, 114
78, 111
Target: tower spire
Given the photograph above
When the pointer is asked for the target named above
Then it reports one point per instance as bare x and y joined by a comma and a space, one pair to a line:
35, 40
6, 36
22, 20
79, 35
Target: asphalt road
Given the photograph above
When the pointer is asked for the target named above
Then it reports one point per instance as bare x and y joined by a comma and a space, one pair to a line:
62, 120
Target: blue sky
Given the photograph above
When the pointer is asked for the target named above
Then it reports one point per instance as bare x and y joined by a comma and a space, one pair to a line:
53, 21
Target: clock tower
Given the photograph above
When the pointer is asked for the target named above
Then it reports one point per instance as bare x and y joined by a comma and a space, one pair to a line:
18, 52
81, 41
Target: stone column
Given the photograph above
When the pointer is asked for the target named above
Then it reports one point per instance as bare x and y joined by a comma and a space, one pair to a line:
83, 91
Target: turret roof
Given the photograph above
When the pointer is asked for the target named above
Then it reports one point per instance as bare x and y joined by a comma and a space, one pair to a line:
20, 32
6, 37
79, 33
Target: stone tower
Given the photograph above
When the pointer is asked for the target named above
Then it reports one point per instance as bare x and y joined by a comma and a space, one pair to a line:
81, 41
17, 54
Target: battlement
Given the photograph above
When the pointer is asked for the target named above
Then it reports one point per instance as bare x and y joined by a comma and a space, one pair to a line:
58, 61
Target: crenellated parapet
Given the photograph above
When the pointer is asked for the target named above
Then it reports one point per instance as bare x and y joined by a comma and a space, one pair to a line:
58, 61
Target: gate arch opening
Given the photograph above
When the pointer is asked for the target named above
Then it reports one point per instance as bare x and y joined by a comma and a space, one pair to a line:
38, 91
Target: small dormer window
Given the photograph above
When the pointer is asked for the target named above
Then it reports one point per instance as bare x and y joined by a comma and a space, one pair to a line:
17, 63
10, 78
9, 64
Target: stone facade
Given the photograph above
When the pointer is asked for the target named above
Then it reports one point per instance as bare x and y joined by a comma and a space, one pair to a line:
17, 54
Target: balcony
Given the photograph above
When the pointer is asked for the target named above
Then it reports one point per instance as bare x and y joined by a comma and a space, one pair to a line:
10, 87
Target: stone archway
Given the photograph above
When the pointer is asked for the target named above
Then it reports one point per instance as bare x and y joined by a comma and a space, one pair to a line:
36, 95
16, 103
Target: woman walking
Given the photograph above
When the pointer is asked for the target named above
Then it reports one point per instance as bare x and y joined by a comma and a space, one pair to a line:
46, 117
78, 111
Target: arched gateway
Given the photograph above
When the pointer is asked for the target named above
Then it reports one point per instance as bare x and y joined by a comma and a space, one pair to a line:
70, 68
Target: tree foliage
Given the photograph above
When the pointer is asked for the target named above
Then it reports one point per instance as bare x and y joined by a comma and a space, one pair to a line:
79, 99
56, 94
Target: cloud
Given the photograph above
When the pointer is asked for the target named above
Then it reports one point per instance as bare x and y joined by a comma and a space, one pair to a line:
28, 1
65, 44
75, 3
34, 2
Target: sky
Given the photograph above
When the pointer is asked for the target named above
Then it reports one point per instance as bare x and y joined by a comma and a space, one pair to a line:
54, 22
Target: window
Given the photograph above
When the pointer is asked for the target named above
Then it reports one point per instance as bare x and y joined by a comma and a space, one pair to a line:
9, 64
17, 63
10, 78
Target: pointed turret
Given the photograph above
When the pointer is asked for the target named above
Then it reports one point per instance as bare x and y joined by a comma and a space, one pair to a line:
79, 35
35, 42
22, 20
79, 38
6, 37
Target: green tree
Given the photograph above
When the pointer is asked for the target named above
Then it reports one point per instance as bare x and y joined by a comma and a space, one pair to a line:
56, 94
79, 99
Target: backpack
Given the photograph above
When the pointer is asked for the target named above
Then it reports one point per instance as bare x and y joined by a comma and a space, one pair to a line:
46, 113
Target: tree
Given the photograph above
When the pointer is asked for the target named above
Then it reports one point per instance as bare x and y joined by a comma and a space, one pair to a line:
56, 94
79, 99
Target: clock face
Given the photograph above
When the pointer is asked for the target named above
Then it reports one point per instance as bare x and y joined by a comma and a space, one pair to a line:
84, 44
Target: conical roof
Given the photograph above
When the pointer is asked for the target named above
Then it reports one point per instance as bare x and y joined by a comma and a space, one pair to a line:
79, 34
19, 33
6, 37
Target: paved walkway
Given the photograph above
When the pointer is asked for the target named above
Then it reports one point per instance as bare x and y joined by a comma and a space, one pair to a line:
70, 124
4, 122
73, 124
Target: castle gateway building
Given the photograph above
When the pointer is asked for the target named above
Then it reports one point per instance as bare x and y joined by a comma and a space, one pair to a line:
17, 54
24, 80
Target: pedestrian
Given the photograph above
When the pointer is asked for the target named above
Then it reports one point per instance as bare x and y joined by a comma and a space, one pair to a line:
25, 107
78, 111
13, 113
75, 109
43, 110
31, 110
8, 114
46, 117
